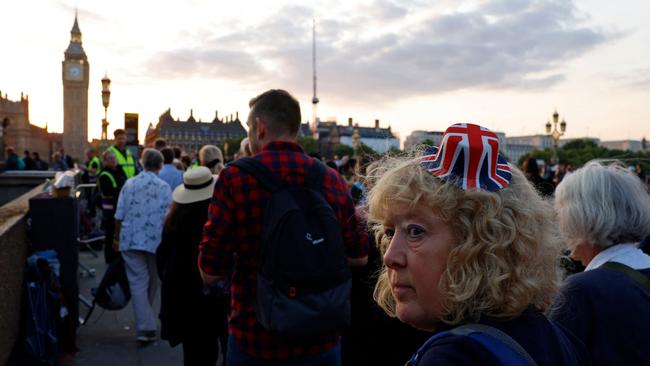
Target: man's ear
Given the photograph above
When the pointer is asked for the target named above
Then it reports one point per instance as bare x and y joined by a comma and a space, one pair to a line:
262, 130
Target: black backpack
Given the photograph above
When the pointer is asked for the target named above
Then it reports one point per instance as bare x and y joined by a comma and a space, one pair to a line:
303, 278
113, 292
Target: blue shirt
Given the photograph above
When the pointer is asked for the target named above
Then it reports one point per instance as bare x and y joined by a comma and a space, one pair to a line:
171, 175
142, 206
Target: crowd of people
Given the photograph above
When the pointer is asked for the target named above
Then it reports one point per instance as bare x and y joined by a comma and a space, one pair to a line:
447, 256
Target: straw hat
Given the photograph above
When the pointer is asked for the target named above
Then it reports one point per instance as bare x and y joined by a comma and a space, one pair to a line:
198, 184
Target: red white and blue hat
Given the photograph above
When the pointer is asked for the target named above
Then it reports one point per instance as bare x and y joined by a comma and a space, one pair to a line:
469, 158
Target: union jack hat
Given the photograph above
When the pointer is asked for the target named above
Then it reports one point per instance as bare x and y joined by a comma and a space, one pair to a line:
469, 158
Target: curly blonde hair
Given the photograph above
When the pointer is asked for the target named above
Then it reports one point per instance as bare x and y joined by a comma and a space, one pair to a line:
506, 254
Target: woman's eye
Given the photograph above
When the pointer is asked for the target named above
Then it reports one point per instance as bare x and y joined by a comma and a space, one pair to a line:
415, 231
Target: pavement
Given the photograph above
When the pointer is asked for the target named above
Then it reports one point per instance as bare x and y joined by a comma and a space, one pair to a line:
108, 338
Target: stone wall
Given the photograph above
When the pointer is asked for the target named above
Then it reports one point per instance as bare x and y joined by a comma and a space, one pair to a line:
13, 249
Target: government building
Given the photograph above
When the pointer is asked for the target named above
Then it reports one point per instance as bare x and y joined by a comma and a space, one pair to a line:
18, 132
191, 135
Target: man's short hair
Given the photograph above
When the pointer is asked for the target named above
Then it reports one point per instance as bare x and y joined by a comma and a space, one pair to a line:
168, 155
279, 109
160, 143
152, 160
118, 132
106, 154
177, 152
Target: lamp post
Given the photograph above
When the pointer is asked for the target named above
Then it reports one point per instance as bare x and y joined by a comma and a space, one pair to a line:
555, 134
106, 97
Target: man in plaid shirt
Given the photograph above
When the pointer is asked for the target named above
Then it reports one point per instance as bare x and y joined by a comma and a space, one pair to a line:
233, 232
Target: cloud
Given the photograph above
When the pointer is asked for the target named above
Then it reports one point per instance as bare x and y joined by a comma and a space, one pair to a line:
84, 14
639, 78
386, 50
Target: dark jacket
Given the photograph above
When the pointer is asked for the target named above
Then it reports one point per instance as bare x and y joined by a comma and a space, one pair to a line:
610, 313
105, 184
547, 344
184, 307
12, 162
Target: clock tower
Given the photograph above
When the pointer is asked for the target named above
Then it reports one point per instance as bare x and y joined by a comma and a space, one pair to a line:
75, 70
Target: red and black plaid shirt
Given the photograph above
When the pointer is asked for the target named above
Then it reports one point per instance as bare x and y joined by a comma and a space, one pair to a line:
232, 236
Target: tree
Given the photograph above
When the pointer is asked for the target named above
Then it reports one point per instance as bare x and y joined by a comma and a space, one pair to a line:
393, 151
341, 150
366, 150
579, 152
308, 144
427, 142
233, 146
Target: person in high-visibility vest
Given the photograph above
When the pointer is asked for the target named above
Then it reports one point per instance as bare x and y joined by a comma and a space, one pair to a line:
109, 183
93, 165
125, 159
91, 169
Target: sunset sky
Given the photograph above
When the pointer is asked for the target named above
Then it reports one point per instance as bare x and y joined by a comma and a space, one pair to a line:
506, 64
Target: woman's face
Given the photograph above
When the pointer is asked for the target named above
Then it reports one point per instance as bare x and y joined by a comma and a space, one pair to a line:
416, 258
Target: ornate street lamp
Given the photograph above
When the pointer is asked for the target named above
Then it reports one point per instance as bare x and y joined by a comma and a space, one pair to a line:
106, 97
555, 134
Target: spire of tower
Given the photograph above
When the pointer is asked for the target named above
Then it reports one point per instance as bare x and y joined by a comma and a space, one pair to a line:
75, 26
314, 99
75, 32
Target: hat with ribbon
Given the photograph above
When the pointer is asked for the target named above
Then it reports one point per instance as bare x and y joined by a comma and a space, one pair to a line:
198, 184
468, 157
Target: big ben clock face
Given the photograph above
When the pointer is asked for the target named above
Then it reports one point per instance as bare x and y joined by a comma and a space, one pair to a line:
73, 72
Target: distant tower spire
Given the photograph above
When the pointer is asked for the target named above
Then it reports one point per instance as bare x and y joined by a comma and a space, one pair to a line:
75, 32
314, 99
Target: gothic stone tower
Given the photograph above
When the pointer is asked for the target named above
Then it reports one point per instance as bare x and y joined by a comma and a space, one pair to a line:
75, 70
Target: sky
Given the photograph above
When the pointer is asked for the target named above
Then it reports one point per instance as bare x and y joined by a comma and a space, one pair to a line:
414, 65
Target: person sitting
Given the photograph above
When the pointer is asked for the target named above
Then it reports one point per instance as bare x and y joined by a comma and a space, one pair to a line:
603, 212
13, 162
469, 253
58, 163
38, 163
28, 161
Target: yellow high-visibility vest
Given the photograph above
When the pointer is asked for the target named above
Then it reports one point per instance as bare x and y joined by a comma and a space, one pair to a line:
126, 162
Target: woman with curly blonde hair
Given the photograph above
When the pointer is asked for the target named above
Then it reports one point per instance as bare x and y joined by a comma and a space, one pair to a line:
469, 253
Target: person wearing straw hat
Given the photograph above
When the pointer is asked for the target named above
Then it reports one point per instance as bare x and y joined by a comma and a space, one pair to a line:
188, 314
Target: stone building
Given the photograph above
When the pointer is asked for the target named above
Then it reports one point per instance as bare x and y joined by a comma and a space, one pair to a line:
20, 133
330, 134
191, 134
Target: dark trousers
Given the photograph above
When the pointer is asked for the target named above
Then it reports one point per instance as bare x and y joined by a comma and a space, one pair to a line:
108, 224
202, 349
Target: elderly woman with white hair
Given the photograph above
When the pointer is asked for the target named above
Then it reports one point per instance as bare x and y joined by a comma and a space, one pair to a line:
141, 209
603, 212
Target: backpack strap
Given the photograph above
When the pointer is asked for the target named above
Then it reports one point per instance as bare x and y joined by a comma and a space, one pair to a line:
632, 273
259, 171
505, 349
